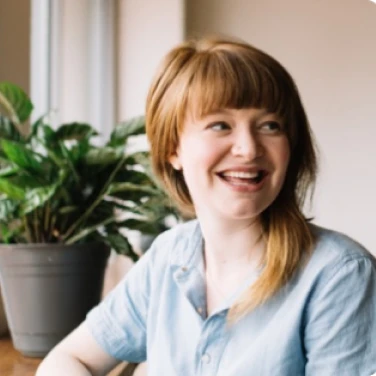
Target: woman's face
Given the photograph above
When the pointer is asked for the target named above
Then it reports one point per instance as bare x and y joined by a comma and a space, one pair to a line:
234, 161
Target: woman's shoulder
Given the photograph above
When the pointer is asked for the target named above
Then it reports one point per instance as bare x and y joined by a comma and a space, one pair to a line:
181, 234
177, 243
337, 266
335, 249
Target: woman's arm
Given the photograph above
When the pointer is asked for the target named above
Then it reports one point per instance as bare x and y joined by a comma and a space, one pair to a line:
77, 355
117, 326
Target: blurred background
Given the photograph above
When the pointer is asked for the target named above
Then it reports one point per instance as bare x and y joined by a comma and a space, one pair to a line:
92, 61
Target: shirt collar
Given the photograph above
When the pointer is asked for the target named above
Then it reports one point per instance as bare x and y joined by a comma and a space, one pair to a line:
188, 252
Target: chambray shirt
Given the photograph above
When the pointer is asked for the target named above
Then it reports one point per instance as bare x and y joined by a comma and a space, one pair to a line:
322, 323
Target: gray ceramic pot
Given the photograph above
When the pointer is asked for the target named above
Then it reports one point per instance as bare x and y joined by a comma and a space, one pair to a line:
48, 290
3, 319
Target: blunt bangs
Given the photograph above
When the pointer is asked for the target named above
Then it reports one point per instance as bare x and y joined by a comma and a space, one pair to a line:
238, 78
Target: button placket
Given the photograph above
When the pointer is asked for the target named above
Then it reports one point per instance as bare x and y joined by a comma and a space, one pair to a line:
205, 358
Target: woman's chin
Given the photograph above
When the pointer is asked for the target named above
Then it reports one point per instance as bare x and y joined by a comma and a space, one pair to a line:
241, 212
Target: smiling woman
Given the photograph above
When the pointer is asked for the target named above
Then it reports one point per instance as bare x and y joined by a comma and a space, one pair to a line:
239, 162
251, 284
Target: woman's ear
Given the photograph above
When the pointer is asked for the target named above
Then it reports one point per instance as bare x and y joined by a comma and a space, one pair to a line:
175, 161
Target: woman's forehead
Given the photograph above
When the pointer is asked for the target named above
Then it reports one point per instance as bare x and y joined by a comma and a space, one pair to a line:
194, 113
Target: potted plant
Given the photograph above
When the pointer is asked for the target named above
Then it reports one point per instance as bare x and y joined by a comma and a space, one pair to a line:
64, 203
156, 215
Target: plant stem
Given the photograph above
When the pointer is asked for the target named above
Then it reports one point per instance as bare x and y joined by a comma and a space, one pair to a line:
41, 225
35, 225
51, 228
27, 229
47, 217
95, 203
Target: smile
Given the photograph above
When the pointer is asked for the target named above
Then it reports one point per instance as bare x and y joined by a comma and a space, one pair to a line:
244, 180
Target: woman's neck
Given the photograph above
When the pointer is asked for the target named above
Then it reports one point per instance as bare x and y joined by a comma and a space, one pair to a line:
232, 246
232, 253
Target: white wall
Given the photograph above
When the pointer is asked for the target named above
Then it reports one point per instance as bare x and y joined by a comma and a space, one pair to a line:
330, 49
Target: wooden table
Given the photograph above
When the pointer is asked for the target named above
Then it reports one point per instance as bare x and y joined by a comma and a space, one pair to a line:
12, 363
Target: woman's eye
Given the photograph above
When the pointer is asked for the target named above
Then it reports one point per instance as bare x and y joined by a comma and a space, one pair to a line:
219, 126
271, 127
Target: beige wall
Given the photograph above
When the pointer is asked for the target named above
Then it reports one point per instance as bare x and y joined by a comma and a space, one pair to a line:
147, 30
330, 49
15, 42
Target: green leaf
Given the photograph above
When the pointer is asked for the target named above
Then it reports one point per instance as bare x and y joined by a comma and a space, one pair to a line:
5, 234
7, 208
14, 102
103, 156
42, 132
145, 227
56, 155
37, 197
142, 159
9, 169
81, 149
121, 245
42, 138
10, 234
22, 157
103, 210
8, 130
11, 190
75, 131
124, 130
26, 181
133, 176
69, 160
135, 197
129, 187
88, 230
139, 158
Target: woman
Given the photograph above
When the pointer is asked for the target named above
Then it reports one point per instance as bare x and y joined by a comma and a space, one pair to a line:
250, 287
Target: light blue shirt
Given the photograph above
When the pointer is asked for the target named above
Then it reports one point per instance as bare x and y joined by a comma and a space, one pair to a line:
322, 323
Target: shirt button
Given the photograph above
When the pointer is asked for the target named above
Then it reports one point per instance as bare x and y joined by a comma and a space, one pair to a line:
199, 310
205, 358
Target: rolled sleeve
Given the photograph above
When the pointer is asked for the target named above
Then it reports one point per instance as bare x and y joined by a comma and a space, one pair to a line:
118, 323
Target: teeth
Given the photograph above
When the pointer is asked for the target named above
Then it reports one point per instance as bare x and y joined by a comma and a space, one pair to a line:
241, 174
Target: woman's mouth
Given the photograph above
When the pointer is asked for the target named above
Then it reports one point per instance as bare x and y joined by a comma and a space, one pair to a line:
249, 180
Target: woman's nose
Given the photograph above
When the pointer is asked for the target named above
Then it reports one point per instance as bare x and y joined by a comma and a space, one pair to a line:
247, 145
